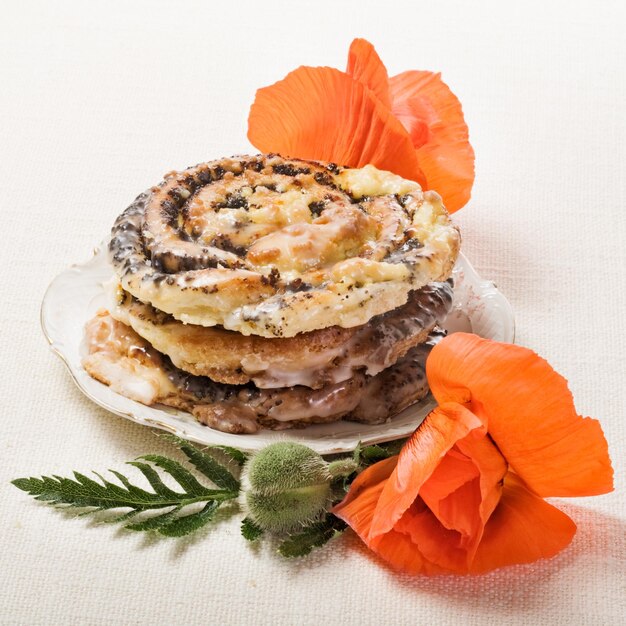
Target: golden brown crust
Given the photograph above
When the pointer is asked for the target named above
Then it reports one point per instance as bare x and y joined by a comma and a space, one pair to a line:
120, 358
274, 247
312, 359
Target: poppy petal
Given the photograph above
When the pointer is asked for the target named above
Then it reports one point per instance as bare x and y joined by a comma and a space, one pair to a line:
453, 471
444, 547
434, 117
323, 114
492, 468
357, 508
414, 114
528, 410
365, 65
522, 529
403, 555
473, 458
417, 461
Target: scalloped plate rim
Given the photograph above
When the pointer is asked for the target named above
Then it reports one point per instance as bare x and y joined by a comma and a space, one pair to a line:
175, 422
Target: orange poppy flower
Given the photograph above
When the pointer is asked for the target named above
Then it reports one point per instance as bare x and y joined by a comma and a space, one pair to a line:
410, 124
465, 494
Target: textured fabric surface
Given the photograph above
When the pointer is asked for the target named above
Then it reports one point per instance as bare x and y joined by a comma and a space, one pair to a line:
99, 99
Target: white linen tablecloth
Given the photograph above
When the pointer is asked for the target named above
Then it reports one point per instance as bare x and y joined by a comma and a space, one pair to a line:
99, 99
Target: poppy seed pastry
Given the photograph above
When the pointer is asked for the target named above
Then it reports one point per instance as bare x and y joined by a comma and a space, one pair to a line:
275, 247
118, 357
264, 292
315, 359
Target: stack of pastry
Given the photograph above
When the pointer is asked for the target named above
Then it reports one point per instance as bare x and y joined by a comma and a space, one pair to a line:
269, 292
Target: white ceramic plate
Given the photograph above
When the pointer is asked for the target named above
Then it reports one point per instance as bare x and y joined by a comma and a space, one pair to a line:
74, 296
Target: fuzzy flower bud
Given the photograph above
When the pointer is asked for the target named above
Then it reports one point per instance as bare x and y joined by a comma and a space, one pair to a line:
285, 486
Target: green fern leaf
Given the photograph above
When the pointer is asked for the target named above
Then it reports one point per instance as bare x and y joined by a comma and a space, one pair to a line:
154, 522
236, 455
152, 476
208, 466
182, 476
186, 524
88, 495
250, 530
314, 536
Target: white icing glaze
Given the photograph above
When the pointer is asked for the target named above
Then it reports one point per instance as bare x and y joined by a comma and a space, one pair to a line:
371, 348
128, 381
221, 243
322, 403
120, 358
340, 363
369, 181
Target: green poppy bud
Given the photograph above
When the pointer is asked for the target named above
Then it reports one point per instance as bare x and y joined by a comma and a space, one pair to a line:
285, 486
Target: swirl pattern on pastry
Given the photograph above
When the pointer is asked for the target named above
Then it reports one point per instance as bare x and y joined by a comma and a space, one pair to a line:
275, 247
